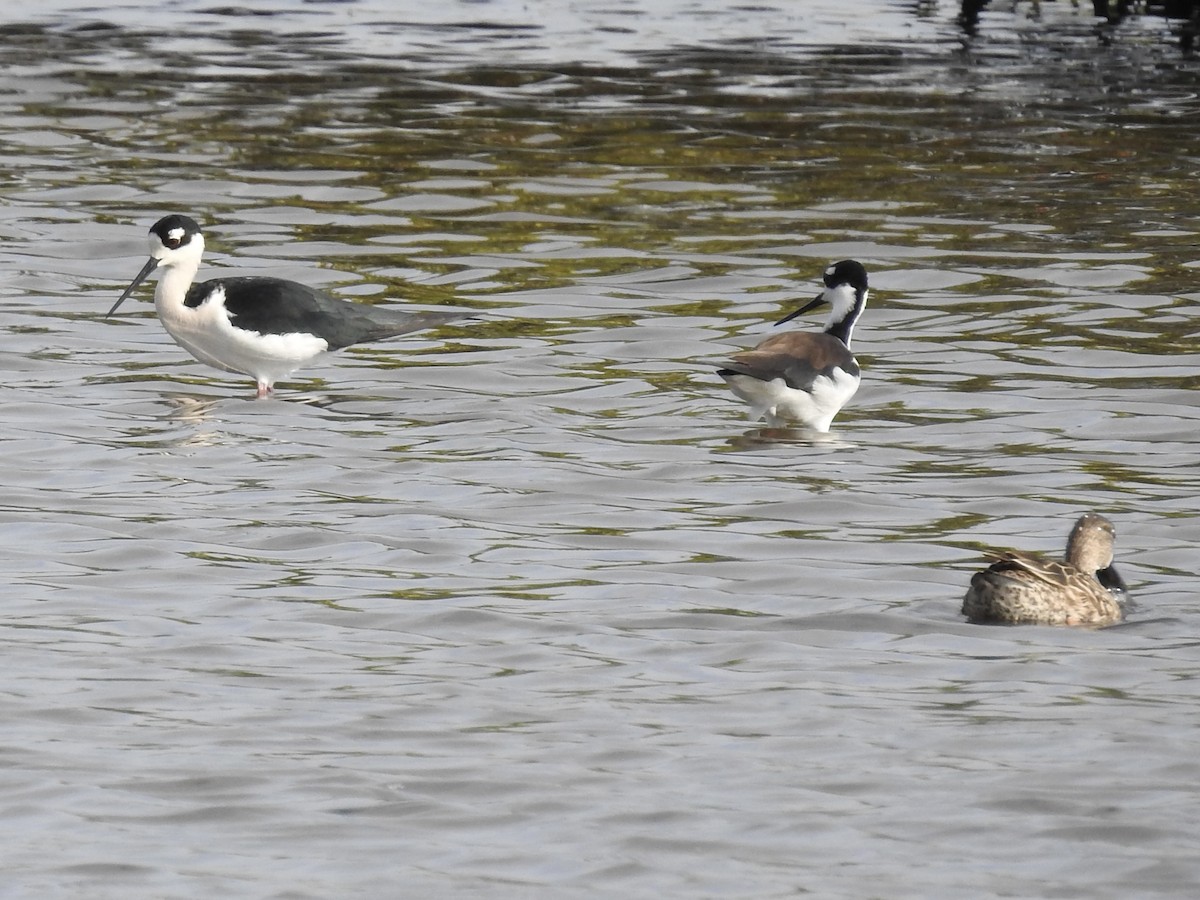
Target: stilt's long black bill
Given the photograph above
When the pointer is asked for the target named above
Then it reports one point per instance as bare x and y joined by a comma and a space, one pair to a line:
811, 304
149, 267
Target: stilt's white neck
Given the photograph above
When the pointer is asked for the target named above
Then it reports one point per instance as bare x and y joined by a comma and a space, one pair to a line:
846, 306
173, 284
178, 270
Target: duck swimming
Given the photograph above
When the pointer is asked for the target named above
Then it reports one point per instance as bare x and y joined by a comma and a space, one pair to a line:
1026, 589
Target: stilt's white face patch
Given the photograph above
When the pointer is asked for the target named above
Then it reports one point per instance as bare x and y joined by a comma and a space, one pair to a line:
178, 248
172, 241
829, 272
841, 300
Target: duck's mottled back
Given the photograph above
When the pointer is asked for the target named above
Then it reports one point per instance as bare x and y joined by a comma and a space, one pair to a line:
1026, 589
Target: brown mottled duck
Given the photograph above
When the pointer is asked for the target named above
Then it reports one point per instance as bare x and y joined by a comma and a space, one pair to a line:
1026, 589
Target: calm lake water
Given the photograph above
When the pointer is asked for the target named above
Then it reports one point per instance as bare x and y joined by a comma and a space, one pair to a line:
526, 607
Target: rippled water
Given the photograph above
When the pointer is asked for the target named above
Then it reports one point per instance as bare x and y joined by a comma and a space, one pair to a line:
527, 607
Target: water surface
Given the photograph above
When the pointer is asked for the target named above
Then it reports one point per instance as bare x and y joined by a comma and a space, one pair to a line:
527, 607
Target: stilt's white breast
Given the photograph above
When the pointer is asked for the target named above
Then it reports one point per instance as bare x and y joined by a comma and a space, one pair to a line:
207, 333
778, 403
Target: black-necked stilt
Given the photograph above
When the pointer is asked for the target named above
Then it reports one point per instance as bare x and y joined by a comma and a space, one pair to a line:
1024, 589
266, 328
803, 376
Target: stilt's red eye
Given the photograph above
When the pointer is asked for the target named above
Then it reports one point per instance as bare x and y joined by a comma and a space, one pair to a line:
174, 238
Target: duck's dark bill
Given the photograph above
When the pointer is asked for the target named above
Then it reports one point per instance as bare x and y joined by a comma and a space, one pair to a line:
149, 267
1111, 579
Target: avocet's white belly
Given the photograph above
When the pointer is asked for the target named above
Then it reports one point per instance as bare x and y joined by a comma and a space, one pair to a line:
779, 403
206, 332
